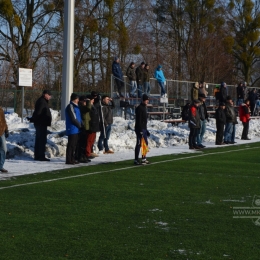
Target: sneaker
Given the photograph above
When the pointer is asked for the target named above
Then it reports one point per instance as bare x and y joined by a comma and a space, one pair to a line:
108, 152
100, 152
3, 170
94, 155
144, 161
137, 162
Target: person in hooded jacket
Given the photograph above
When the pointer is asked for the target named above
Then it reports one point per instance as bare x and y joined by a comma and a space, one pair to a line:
42, 119
130, 73
118, 74
106, 116
140, 78
194, 124
223, 92
141, 117
146, 79
159, 75
244, 115
195, 91
240, 94
252, 96
73, 128
220, 123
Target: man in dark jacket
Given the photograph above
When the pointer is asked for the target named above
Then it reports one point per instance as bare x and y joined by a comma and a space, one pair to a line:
252, 98
106, 116
230, 121
42, 119
194, 124
223, 92
73, 128
203, 118
240, 94
141, 129
130, 73
140, 78
220, 123
118, 74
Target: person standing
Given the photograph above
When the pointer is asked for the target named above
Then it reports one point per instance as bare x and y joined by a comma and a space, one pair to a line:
202, 88
140, 78
42, 119
244, 115
159, 75
240, 94
195, 91
252, 96
118, 74
230, 121
130, 73
203, 118
106, 116
84, 107
3, 135
141, 117
93, 128
194, 124
223, 92
147, 87
233, 136
220, 123
73, 128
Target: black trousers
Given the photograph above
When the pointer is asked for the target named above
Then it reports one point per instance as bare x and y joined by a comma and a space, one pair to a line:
220, 133
82, 144
71, 148
245, 130
193, 136
120, 85
40, 141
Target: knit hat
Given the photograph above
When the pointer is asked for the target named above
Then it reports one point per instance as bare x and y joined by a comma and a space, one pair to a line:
46, 92
159, 67
222, 104
142, 63
196, 101
94, 93
145, 97
90, 97
202, 95
228, 98
74, 96
82, 98
116, 58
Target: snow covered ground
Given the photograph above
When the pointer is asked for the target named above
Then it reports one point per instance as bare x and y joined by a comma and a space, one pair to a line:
164, 139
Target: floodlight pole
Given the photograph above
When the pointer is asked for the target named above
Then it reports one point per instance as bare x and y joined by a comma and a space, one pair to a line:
68, 55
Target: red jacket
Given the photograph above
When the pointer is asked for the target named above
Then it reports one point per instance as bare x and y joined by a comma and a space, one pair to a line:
244, 113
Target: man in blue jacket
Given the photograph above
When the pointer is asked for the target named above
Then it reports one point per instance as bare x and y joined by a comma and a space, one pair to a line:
118, 74
73, 128
160, 79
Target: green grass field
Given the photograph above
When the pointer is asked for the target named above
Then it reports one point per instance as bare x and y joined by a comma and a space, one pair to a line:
179, 207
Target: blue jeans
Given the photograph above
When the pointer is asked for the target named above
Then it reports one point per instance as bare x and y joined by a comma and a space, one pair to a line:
133, 87
147, 88
140, 90
228, 132
201, 132
239, 102
161, 85
3, 150
233, 136
102, 141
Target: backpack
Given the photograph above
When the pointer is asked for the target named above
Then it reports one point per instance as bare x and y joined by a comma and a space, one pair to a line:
185, 112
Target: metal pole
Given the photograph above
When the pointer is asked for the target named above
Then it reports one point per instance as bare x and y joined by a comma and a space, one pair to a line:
22, 102
68, 55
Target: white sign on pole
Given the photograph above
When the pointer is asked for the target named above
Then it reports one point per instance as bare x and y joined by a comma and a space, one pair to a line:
25, 77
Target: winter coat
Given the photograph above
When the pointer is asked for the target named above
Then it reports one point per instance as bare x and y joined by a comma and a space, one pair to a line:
158, 74
244, 113
139, 72
42, 114
85, 113
141, 117
220, 116
203, 111
116, 70
194, 93
222, 94
94, 124
107, 114
194, 117
130, 73
3, 125
240, 92
252, 97
230, 114
73, 119
146, 77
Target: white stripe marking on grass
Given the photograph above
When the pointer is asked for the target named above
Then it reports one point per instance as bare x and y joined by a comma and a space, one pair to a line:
120, 169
